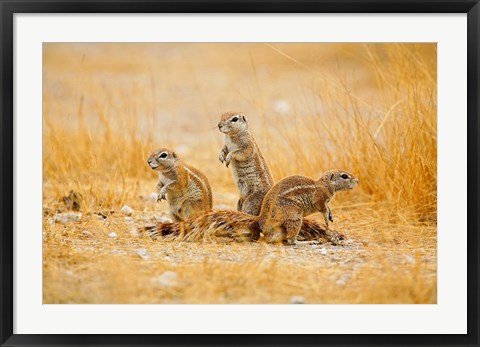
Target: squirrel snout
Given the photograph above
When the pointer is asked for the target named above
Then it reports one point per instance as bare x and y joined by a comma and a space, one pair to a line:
355, 182
151, 163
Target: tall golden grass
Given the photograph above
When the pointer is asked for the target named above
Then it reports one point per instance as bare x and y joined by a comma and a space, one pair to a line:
366, 108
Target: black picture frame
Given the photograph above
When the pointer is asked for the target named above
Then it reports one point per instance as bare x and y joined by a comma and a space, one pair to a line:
10, 7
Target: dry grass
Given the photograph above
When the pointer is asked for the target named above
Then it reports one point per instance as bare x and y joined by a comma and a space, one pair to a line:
369, 109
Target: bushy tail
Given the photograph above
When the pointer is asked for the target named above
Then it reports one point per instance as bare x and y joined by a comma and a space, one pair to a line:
230, 225
226, 225
312, 230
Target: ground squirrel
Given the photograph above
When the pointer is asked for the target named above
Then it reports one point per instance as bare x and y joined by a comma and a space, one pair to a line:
250, 170
295, 197
281, 217
184, 187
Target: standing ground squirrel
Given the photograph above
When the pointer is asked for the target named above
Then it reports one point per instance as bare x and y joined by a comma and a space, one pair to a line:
281, 217
250, 170
184, 187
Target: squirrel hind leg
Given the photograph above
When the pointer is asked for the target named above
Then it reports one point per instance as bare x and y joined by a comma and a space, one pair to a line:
256, 230
273, 234
253, 203
291, 229
185, 212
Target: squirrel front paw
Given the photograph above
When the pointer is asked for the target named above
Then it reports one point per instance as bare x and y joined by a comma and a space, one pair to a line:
228, 159
161, 195
335, 237
221, 157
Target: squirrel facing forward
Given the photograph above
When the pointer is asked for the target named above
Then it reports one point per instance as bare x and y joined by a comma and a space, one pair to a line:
281, 217
250, 170
184, 187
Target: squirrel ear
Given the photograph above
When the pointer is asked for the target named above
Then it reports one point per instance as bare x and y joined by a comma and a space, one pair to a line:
244, 119
174, 154
331, 177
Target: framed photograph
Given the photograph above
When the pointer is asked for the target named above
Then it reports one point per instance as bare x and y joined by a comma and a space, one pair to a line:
246, 173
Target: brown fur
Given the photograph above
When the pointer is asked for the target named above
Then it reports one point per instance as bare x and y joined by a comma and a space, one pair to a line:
228, 226
231, 225
250, 170
186, 189
281, 218
295, 197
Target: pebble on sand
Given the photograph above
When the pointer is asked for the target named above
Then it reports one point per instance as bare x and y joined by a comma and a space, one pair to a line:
322, 251
113, 235
127, 210
142, 253
68, 217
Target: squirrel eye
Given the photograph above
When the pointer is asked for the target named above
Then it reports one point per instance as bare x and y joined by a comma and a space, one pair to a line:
163, 155
344, 176
234, 119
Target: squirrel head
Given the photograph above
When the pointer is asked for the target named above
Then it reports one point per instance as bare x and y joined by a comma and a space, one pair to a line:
339, 180
233, 123
162, 159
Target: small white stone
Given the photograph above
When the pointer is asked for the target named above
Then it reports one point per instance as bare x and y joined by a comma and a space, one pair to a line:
167, 279
128, 219
113, 235
134, 232
127, 210
68, 217
99, 217
142, 253
297, 300
323, 251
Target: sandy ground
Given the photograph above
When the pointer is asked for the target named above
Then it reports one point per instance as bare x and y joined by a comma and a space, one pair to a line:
103, 259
